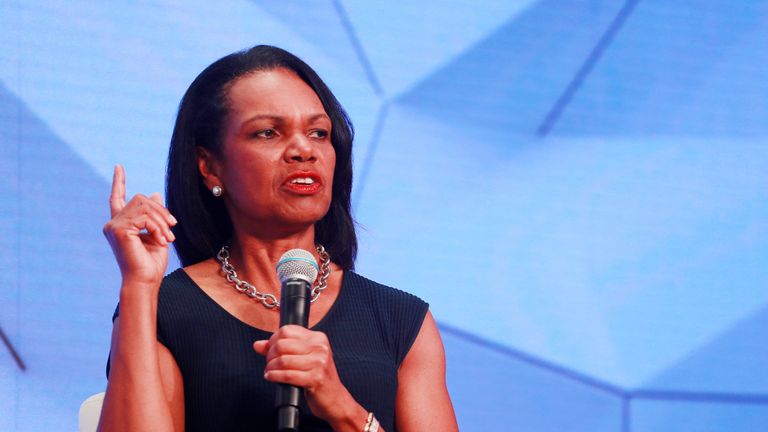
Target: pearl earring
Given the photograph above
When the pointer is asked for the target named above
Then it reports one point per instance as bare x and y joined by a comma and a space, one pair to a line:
216, 191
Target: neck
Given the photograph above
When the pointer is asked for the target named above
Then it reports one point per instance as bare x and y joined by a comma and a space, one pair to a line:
255, 258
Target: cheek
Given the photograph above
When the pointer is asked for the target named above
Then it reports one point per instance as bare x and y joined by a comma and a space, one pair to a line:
331, 158
251, 176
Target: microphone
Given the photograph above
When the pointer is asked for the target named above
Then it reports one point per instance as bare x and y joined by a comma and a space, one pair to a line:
297, 270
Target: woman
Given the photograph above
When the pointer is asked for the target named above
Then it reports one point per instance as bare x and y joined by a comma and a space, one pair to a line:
260, 163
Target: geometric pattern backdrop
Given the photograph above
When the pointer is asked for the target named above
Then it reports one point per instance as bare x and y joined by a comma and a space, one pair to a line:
579, 188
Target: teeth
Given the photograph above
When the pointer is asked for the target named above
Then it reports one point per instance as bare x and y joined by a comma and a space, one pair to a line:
303, 180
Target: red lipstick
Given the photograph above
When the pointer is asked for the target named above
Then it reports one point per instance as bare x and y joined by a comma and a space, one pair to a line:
303, 182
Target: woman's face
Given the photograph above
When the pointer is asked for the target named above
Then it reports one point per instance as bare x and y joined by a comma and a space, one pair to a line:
277, 160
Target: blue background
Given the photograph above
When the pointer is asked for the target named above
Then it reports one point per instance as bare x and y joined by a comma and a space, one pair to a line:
579, 188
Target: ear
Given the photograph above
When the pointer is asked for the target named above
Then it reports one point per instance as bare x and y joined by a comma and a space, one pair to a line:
210, 168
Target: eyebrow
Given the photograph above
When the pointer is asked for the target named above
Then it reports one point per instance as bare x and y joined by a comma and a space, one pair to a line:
310, 118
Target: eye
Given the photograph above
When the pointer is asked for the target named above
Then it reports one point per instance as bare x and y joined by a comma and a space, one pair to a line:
265, 133
319, 133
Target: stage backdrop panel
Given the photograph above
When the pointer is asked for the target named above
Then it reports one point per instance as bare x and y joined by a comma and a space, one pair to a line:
577, 187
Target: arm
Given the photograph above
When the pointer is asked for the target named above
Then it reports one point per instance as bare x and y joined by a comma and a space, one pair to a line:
144, 390
422, 400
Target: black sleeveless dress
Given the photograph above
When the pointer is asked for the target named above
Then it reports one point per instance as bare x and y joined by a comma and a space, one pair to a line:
370, 327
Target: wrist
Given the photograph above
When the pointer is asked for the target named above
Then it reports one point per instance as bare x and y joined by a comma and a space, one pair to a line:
353, 418
138, 291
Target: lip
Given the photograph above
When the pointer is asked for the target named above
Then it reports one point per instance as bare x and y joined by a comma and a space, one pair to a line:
303, 189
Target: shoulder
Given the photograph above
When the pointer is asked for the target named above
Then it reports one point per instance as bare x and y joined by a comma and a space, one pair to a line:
380, 292
178, 282
169, 285
397, 314
175, 277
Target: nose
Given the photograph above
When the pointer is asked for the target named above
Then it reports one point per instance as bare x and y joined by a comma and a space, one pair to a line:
300, 149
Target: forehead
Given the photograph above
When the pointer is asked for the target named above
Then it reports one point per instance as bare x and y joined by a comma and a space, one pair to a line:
275, 91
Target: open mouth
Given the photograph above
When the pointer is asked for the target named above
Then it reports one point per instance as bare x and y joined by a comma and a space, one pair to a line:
303, 183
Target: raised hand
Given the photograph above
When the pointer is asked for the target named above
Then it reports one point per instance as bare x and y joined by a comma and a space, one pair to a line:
303, 358
139, 233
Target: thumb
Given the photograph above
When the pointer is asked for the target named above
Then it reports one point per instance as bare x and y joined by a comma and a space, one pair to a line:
261, 346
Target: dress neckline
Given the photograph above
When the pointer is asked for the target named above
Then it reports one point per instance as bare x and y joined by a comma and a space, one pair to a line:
317, 325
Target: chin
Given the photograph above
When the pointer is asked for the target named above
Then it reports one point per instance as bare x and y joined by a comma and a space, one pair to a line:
303, 215
305, 218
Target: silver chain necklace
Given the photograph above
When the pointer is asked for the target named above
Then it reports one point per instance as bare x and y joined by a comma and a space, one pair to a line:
269, 300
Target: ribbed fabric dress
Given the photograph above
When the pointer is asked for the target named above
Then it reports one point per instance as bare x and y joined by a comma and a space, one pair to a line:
370, 327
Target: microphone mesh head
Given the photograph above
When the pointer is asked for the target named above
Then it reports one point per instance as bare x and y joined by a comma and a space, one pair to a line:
297, 264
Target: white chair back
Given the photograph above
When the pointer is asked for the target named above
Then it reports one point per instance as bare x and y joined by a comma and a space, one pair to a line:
90, 411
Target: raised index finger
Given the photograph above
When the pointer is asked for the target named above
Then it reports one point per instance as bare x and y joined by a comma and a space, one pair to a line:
117, 197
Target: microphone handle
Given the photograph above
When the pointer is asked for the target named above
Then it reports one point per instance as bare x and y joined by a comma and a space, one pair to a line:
294, 310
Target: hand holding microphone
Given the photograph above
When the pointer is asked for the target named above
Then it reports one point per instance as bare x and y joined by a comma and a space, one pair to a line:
300, 358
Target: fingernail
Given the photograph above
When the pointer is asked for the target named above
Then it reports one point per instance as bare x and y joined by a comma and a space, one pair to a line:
172, 219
